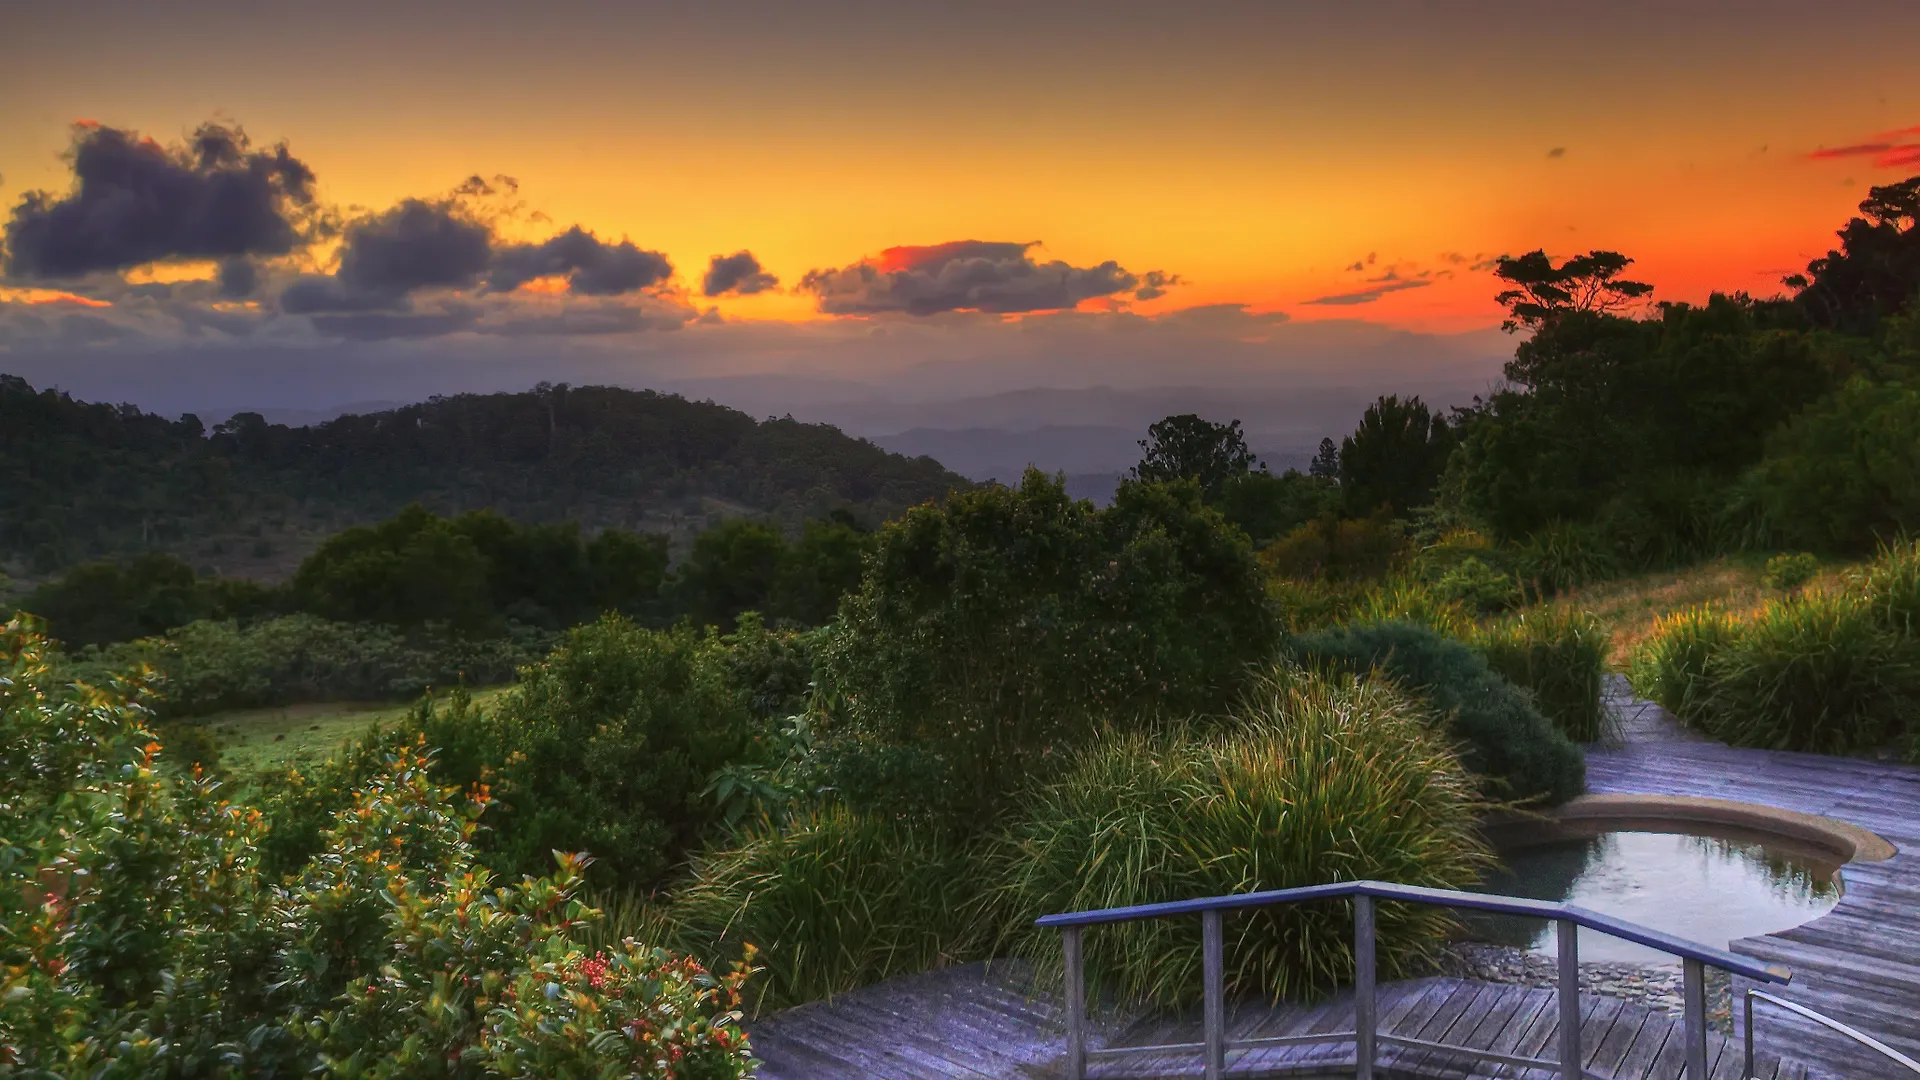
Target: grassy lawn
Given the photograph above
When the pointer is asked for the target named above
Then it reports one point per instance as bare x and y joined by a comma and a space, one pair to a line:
263, 738
1628, 607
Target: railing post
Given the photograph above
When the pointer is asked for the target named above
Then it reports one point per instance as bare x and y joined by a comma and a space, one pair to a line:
1214, 970
1746, 1070
1695, 989
1076, 1004
1363, 999
1571, 1059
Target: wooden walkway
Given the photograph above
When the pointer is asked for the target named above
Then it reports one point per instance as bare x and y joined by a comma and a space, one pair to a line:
970, 1024
1860, 964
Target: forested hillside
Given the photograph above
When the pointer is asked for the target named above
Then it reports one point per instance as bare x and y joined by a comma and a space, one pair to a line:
83, 480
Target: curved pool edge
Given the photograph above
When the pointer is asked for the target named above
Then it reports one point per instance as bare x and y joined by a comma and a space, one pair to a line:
1844, 841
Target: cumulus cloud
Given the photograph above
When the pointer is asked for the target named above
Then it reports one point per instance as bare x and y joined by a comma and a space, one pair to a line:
136, 202
1155, 283
739, 273
1888, 150
591, 267
964, 275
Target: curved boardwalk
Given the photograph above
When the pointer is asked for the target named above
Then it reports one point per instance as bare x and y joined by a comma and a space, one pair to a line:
1860, 963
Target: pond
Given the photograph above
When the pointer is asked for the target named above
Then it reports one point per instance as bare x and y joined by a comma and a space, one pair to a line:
1707, 889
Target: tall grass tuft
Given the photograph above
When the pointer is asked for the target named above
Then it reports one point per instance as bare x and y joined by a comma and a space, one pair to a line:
1670, 665
1413, 602
1318, 778
1560, 655
833, 900
1891, 586
1815, 672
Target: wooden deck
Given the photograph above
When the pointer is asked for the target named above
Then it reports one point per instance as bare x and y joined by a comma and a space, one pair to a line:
1860, 964
972, 1024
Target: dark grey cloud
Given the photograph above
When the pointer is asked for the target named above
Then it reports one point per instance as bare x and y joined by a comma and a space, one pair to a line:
607, 319
592, 268
416, 245
1557, 152
1155, 283
237, 279
1387, 283
963, 275
739, 273
135, 202
314, 294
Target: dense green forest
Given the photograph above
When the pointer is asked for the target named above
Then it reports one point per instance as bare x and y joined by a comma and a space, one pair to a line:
82, 481
819, 756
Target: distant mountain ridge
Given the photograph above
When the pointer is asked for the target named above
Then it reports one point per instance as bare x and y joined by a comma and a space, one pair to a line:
82, 480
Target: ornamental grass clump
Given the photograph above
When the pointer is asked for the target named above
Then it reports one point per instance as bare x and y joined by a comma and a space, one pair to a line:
1669, 667
1817, 672
833, 899
1559, 654
1891, 586
1316, 778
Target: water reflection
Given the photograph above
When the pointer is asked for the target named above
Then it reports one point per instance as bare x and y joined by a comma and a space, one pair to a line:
1707, 889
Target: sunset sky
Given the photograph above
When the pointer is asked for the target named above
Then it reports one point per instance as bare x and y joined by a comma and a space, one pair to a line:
1358, 162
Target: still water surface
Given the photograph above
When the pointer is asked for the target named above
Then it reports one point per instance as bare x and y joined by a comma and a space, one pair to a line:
1708, 890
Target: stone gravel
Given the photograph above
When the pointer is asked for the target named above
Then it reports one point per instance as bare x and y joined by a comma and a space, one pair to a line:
1657, 986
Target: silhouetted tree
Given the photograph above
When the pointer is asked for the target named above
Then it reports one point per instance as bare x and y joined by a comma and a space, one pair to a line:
1583, 283
1326, 463
1875, 273
1393, 458
1186, 447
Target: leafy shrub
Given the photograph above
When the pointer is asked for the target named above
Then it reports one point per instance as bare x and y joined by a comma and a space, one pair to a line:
1559, 655
1505, 740
1317, 779
1789, 572
1477, 586
1670, 666
1846, 471
1350, 549
103, 602
1004, 627
833, 900
1815, 672
606, 745
1312, 603
140, 937
207, 667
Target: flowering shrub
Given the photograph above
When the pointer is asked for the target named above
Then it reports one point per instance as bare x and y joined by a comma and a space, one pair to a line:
139, 935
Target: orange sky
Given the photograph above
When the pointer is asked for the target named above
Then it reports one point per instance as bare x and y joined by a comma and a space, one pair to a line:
1257, 150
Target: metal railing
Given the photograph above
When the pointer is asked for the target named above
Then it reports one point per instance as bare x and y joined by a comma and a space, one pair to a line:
1827, 1022
1366, 1036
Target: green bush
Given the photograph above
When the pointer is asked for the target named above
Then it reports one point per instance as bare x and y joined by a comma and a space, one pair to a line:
1478, 586
1815, 672
1003, 628
1789, 572
207, 667
1559, 655
1846, 470
141, 938
1670, 666
833, 900
1412, 602
606, 746
1505, 740
1318, 779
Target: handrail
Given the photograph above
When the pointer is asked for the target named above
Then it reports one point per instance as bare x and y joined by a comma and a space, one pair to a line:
1366, 1036
1827, 1022
1386, 890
